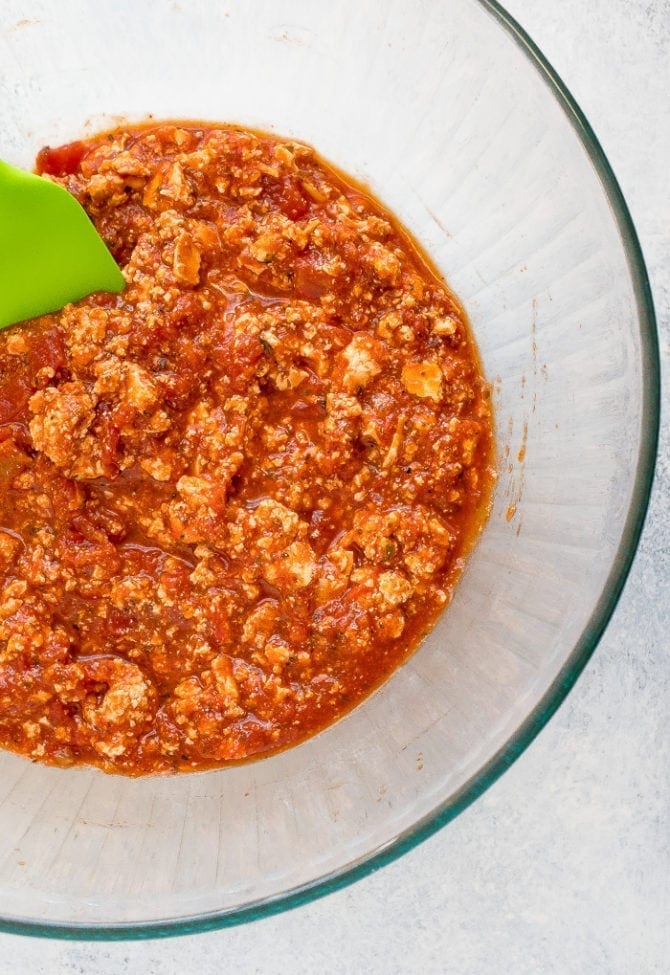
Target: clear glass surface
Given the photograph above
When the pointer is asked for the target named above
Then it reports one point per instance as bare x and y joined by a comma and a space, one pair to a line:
460, 127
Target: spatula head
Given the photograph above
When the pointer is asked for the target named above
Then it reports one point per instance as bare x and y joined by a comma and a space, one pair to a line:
50, 252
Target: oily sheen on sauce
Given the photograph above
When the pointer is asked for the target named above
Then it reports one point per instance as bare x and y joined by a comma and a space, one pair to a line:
234, 497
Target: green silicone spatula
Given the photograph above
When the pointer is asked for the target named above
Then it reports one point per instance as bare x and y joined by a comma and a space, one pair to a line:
50, 252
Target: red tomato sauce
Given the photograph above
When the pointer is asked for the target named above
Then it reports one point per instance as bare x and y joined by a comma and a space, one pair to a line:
234, 497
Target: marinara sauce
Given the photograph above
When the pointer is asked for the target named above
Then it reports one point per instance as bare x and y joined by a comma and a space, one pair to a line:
235, 496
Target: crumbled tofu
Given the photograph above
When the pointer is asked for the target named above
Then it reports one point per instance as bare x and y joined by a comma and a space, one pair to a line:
423, 379
385, 263
445, 326
186, 261
362, 362
63, 416
395, 589
294, 568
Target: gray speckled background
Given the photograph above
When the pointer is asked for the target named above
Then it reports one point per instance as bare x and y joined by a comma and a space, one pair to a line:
564, 865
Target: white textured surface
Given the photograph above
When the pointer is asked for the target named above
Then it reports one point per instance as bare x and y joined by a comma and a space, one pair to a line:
564, 865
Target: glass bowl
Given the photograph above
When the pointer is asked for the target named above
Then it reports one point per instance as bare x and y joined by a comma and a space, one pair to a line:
458, 124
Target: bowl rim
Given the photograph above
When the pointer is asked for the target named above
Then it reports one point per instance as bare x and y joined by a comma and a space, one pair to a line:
583, 649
